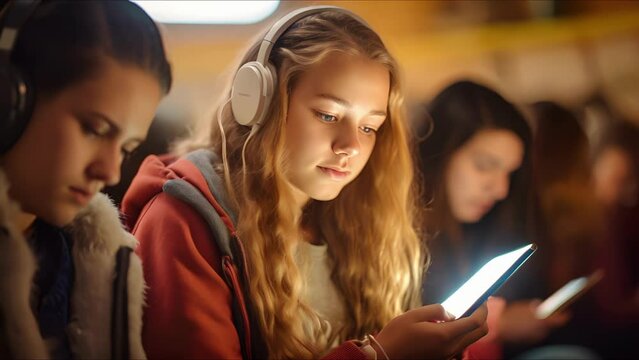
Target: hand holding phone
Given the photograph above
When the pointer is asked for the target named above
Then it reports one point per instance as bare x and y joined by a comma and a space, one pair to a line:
518, 324
486, 281
429, 332
567, 294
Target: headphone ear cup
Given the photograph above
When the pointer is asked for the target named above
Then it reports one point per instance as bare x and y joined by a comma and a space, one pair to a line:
16, 105
250, 95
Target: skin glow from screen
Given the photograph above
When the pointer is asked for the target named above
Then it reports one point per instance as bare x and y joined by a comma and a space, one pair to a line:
481, 281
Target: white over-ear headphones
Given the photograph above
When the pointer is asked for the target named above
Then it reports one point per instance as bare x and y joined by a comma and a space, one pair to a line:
255, 81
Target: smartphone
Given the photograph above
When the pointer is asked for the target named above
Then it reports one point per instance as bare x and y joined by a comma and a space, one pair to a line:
486, 281
567, 294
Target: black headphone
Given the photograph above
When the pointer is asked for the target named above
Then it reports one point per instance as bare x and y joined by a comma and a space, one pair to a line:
16, 93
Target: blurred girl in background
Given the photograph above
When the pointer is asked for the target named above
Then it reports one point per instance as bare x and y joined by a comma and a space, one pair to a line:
616, 183
570, 218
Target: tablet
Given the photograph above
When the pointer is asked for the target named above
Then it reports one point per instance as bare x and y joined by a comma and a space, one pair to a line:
486, 281
567, 294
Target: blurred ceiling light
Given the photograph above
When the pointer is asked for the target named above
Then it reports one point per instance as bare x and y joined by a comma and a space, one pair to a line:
208, 12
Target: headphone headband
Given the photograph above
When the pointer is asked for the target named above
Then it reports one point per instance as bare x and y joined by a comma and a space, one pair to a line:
287, 21
16, 15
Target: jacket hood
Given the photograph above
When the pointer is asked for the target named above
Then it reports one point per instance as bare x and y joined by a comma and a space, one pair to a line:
154, 172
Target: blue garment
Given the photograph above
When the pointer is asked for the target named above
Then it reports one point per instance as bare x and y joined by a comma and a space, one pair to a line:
52, 285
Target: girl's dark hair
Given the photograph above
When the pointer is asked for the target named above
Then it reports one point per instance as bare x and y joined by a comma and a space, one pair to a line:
561, 147
458, 113
63, 42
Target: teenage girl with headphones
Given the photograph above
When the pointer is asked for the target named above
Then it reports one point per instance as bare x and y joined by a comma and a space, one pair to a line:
79, 85
291, 229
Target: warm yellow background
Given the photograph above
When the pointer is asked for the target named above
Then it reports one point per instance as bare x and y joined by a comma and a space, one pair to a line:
566, 59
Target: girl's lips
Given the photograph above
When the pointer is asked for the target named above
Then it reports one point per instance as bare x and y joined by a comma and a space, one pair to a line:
485, 207
334, 173
81, 196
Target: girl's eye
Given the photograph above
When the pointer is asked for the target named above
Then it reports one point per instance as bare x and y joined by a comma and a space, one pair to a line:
126, 154
368, 130
95, 128
128, 150
482, 165
325, 117
90, 130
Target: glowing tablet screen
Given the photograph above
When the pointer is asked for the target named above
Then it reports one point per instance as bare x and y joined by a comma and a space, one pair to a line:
486, 281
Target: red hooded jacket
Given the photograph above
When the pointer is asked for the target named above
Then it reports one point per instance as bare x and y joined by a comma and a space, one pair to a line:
196, 303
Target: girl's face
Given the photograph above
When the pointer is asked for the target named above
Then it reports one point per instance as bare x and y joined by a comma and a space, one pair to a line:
75, 141
613, 177
334, 112
478, 173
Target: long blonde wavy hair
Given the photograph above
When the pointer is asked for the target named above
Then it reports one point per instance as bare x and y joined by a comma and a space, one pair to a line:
370, 228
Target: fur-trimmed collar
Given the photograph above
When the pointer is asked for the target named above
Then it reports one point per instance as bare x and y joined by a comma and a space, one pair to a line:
97, 234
